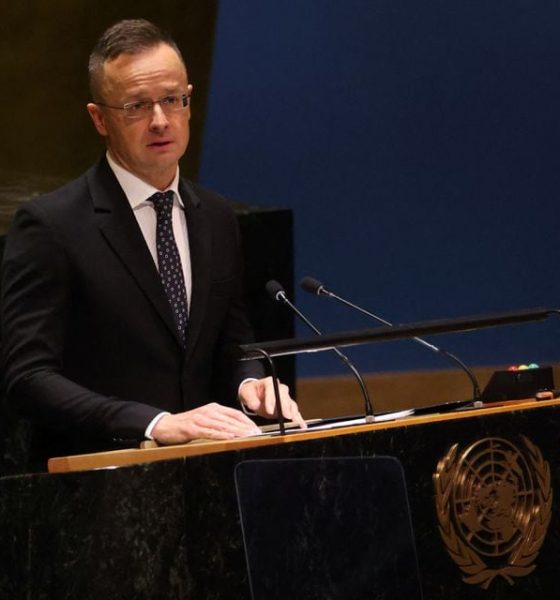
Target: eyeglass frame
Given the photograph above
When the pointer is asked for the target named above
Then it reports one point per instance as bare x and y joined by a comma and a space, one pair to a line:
185, 101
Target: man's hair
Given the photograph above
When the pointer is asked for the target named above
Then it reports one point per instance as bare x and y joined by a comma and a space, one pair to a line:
130, 36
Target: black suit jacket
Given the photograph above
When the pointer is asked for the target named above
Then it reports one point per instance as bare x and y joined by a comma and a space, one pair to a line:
89, 342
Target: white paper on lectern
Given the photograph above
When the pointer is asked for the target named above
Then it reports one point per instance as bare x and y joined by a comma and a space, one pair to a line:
319, 424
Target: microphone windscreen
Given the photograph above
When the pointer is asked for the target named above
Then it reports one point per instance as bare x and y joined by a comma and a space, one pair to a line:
274, 288
311, 285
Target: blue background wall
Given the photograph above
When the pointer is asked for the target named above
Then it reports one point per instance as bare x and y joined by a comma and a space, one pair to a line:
418, 145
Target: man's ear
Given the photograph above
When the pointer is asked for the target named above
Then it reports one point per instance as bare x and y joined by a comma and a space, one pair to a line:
98, 118
189, 92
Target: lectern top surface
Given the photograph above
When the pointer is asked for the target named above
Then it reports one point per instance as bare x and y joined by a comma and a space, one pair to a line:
121, 458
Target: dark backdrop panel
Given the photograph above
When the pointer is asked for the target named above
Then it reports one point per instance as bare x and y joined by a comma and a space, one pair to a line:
267, 246
418, 144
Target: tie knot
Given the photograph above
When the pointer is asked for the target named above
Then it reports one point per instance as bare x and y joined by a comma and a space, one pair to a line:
162, 201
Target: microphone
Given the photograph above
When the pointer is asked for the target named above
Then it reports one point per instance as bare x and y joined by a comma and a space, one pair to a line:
314, 286
277, 292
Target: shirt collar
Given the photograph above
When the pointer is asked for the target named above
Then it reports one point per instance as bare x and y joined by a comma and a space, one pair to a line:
136, 190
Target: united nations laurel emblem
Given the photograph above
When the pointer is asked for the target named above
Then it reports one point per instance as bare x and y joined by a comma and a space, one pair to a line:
493, 503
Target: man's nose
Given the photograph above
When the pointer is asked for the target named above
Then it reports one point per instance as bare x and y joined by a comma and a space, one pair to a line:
158, 121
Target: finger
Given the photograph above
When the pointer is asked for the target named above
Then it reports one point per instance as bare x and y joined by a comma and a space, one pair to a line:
295, 416
232, 425
250, 395
227, 419
285, 400
231, 414
268, 396
290, 409
207, 433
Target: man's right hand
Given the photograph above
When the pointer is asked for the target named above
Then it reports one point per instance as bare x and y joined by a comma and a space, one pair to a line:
211, 421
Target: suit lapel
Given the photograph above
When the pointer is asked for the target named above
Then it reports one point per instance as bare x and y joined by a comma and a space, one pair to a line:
119, 227
200, 245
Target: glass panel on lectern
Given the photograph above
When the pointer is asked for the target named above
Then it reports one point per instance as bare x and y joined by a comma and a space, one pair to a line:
327, 529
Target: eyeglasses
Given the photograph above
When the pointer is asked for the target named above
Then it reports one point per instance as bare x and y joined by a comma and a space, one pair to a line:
144, 108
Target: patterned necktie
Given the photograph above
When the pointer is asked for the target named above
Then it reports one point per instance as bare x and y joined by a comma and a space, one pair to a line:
169, 261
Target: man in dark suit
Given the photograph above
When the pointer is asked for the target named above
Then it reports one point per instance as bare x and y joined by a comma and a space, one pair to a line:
121, 292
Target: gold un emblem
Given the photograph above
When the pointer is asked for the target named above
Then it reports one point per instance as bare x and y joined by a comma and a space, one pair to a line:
493, 503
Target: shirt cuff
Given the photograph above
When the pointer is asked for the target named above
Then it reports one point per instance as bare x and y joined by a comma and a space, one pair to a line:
243, 407
153, 423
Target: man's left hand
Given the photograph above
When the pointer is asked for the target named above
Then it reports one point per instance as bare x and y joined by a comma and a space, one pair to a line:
258, 396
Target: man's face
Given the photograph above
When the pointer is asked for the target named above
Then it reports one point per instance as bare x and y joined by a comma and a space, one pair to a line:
148, 147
